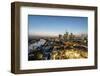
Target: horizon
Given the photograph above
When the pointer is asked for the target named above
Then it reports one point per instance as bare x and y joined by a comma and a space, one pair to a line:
77, 35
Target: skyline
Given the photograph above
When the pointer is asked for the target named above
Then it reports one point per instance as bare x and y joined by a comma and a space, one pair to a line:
54, 25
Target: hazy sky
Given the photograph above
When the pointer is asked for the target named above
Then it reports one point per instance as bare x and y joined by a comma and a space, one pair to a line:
54, 25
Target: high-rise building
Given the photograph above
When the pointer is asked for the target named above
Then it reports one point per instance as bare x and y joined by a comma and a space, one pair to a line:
71, 36
60, 36
66, 36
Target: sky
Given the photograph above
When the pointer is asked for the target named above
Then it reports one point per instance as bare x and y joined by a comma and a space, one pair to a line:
54, 25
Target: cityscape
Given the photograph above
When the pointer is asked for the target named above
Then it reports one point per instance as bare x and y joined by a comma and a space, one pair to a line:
46, 45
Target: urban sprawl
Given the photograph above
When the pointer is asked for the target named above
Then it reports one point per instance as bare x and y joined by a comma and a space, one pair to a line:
66, 46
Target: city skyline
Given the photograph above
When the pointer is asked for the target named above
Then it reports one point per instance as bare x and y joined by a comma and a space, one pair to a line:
55, 25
